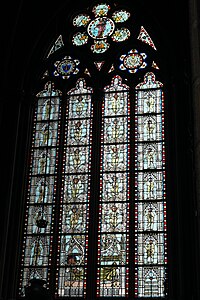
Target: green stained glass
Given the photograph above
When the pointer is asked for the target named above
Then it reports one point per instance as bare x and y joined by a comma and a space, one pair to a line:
81, 20
101, 10
121, 35
80, 39
120, 16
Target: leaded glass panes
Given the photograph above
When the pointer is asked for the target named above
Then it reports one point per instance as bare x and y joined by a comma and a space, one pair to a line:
74, 206
150, 190
113, 237
40, 205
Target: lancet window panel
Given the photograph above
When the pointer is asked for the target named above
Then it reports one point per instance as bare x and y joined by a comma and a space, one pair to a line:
150, 190
42, 185
75, 196
113, 237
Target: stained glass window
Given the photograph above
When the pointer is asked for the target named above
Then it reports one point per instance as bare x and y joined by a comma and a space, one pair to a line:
74, 218
150, 190
113, 237
42, 187
96, 189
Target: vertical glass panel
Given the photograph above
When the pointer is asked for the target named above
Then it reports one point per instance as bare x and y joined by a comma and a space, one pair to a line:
113, 236
42, 185
75, 196
150, 194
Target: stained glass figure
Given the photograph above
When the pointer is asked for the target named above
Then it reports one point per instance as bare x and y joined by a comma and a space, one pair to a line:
57, 45
144, 37
101, 28
40, 204
133, 61
150, 190
66, 67
73, 226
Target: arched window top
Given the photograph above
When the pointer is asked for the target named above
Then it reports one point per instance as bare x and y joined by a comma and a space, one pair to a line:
116, 85
80, 88
49, 90
149, 82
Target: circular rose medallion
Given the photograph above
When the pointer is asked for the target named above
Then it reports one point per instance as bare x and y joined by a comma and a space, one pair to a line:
101, 28
66, 67
133, 61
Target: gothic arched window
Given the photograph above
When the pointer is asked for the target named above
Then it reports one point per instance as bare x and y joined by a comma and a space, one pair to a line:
95, 212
